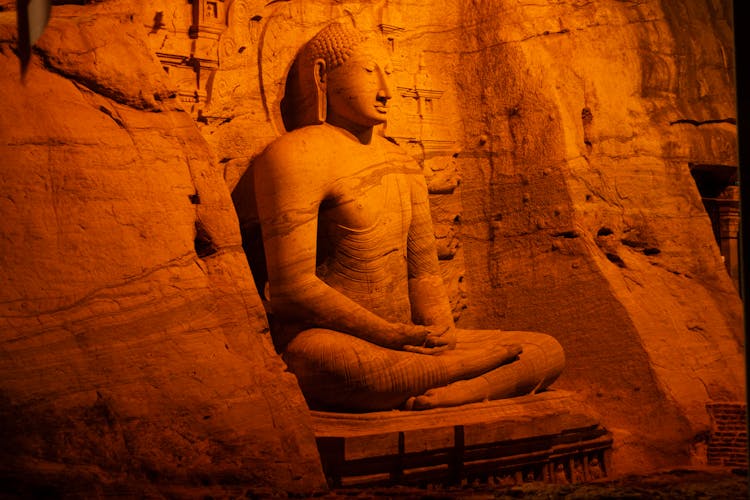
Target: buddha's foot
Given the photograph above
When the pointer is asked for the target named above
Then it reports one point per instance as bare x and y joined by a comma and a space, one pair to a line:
471, 390
464, 364
455, 394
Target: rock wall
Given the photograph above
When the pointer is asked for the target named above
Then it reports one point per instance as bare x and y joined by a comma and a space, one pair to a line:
597, 233
134, 356
557, 139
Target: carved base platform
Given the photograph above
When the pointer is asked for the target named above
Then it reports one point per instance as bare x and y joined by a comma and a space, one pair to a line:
545, 437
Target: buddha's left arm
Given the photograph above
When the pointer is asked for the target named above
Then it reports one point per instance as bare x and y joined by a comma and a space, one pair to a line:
429, 301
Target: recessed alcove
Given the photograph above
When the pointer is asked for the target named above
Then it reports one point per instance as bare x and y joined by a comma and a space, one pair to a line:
719, 189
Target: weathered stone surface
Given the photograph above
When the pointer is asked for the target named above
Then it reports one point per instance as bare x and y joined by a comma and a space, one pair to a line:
598, 234
133, 354
571, 127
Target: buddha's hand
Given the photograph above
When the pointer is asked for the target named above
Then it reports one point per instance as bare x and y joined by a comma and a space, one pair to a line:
438, 339
404, 335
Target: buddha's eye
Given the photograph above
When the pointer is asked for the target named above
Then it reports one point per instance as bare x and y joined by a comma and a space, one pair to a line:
370, 67
388, 69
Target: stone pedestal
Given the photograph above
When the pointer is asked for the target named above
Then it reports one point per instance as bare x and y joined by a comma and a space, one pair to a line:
545, 437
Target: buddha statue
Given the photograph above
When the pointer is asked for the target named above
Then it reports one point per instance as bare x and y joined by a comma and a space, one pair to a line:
356, 301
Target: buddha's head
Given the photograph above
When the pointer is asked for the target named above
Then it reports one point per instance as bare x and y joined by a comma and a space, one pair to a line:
339, 76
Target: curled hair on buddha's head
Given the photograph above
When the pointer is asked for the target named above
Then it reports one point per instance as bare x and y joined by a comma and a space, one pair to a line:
333, 44
304, 101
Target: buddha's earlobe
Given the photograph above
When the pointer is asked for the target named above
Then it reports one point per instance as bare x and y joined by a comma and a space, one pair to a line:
320, 89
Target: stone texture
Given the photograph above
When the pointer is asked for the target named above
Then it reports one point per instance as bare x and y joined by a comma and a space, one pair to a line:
134, 356
557, 138
597, 232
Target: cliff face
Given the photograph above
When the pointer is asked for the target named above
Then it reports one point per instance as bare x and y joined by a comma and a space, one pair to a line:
584, 218
557, 139
134, 355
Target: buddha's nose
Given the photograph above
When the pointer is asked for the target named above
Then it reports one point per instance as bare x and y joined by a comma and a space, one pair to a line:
384, 94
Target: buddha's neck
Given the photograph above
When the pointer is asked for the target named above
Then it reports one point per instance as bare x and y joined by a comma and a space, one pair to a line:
361, 134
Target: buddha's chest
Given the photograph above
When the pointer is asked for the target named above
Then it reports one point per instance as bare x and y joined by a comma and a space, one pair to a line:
364, 204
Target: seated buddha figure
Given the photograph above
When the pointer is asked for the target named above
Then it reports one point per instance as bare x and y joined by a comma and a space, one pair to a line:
358, 306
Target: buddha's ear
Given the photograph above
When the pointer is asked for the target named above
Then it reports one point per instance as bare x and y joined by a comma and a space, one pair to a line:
320, 77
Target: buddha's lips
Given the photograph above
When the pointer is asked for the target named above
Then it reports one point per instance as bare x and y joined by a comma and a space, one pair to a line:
381, 109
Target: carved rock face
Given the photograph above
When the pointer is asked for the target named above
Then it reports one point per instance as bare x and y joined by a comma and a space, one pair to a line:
358, 91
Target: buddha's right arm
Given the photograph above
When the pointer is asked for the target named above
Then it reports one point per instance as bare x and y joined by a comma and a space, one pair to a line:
310, 301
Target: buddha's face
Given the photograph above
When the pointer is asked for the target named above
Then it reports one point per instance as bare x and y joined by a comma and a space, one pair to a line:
358, 90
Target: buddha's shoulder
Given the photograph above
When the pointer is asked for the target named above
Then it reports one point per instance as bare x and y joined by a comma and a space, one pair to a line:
314, 140
321, 136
